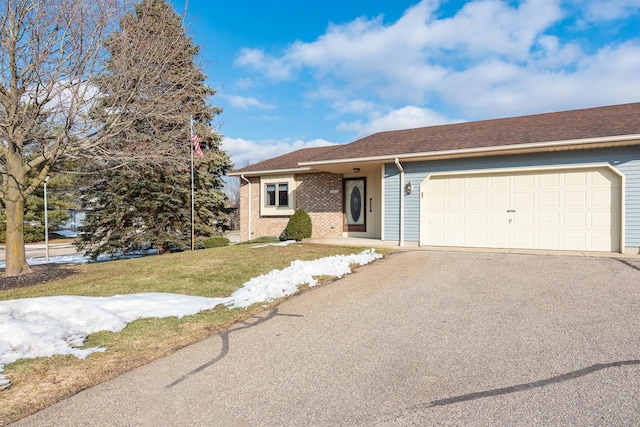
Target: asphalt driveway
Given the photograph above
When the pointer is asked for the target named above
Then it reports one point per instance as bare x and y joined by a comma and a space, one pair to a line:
419, 338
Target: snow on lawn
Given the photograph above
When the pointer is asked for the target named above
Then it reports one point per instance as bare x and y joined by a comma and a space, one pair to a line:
46, 326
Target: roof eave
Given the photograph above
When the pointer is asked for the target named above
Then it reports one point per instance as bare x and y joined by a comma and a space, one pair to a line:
550, 146
272, 172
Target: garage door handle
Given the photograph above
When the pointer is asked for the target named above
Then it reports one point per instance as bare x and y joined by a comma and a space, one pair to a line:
511, 210
370, 203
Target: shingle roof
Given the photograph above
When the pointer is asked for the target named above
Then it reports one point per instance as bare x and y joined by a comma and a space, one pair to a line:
590, 123
563, 126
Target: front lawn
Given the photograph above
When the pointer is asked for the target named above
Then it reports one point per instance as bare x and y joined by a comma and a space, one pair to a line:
213, 272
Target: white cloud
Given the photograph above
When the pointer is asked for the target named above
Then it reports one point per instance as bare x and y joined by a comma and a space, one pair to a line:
356, 106
403, 118
245, 152
246, 103
407, 59
491, 58
255, 58
244, 84
610, 76
607, 10
493, 27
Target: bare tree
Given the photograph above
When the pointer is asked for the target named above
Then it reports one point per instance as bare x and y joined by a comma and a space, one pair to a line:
52, 108
232, 190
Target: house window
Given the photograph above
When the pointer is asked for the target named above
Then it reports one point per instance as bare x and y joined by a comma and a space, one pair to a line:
279, 198
277, 195
283, 194
271, 194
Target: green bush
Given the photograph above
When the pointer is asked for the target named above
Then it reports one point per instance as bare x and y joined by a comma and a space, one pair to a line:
299, 226
213, 242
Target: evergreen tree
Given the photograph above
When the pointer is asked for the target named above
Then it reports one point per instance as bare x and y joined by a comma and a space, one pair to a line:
150, 202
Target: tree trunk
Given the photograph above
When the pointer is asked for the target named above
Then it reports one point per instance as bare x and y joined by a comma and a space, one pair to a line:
16, 260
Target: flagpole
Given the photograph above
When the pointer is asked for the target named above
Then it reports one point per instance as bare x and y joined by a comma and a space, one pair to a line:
193, 216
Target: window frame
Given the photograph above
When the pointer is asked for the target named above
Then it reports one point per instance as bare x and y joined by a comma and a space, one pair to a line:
277, 208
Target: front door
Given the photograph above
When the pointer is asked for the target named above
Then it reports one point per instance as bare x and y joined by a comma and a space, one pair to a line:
355, 204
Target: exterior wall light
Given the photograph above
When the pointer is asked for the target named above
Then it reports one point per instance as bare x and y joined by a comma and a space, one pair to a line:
356, 170
408, 188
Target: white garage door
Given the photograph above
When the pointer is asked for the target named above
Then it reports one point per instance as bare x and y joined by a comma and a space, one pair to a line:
569, 209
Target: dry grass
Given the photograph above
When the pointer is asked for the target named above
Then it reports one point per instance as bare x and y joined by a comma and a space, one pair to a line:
216, 272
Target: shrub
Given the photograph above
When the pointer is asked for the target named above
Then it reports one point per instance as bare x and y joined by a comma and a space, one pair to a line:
299, 226
213, 242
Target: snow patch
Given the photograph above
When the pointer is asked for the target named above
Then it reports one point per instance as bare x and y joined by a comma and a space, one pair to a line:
284, 243
46, 326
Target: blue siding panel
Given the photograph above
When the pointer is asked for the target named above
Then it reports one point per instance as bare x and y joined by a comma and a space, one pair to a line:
625, 159
391, 202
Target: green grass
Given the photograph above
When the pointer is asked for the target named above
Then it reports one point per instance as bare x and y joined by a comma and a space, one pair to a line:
215, 272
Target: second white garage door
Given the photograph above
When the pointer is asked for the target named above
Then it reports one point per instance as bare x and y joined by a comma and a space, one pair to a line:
567, 209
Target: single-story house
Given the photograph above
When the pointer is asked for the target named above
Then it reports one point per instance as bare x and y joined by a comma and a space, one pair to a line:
559, 181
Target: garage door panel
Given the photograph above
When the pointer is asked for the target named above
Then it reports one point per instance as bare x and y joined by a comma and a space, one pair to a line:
601, 198
477, 238
478, 183
549, 199
498, 239
574, 240
523, 239
575, 179
548, 219
500, 200
522, 219
575, 219
456, 219
454, 184
456, 201
436, 201
523, 200
478, 200
575, 199
477, 220
499, 182
601, 239
436, 237
601, 220
551, 240
548, 180
498, 219
524, 182
456, 237
554, 209
436, 220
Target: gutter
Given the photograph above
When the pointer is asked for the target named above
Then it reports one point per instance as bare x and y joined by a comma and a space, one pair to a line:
401, 169
249, 215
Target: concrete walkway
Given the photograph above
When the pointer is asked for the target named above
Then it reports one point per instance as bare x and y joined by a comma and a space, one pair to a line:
419, 338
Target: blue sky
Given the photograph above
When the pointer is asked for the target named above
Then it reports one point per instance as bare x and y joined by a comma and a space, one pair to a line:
294, 74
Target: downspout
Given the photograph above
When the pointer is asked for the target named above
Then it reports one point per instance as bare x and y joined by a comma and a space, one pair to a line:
249, 214
401, 169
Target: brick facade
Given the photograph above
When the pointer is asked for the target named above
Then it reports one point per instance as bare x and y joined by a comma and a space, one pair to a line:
320, 194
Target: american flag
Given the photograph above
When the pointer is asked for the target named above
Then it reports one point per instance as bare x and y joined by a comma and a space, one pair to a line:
196, 143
